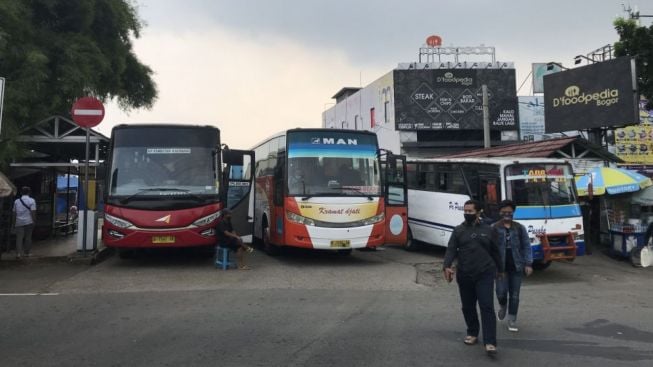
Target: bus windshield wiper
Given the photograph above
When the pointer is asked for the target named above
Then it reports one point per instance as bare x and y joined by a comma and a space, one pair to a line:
150, 189
369, 197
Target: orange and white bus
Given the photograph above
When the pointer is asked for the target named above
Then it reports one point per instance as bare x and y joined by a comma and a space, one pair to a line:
327, 190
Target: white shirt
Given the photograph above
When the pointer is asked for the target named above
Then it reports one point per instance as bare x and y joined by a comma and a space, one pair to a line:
23, 215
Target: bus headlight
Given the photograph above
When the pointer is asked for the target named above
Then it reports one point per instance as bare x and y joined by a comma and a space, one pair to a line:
299, 219
120, 223
373, 220
207, 220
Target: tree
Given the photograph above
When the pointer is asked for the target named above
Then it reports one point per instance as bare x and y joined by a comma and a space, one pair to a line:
637, 41
54, 51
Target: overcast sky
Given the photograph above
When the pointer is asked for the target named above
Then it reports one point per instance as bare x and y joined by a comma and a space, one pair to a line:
255, 67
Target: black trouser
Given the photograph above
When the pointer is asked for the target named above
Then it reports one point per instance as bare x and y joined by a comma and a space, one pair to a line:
473, 289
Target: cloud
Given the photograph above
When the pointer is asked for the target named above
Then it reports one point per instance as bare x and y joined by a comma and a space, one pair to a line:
248, 86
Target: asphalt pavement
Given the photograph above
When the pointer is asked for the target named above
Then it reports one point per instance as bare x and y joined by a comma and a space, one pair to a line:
378, 308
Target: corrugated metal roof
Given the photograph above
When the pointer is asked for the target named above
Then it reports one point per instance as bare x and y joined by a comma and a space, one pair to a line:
535, 149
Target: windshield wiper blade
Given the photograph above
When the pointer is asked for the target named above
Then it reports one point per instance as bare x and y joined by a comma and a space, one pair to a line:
150, 189
369, 197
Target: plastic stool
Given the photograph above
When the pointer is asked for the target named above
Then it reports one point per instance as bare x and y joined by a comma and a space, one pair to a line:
223, 258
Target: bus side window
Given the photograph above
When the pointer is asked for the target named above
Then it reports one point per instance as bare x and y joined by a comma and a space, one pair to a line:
411, 173
442, 181
278, 178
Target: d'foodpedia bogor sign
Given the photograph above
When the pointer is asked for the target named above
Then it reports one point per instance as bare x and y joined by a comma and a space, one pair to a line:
598, 95
452, 99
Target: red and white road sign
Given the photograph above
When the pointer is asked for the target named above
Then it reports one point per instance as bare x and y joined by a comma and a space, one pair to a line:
87, 112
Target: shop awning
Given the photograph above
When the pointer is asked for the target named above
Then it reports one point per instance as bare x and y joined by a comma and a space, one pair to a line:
643, 197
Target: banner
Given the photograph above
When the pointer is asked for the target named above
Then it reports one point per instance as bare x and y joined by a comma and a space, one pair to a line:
634, 144
531, 118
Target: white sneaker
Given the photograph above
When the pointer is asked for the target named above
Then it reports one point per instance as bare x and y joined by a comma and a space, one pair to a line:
512, 326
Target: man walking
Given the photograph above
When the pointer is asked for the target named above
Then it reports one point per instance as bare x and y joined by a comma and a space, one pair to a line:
517, 259
25, 218
473, 244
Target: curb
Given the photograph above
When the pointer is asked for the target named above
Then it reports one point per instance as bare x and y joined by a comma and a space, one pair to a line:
92, 259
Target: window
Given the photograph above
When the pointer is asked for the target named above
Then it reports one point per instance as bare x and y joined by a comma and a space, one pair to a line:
344, 125
540, 184
385, 111
411, 172
372, 119
356, 122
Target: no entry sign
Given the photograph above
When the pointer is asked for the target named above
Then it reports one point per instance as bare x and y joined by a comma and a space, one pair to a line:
87, 112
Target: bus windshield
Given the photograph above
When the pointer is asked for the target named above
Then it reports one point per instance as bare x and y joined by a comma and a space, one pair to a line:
174, 163
540, 184
330, 163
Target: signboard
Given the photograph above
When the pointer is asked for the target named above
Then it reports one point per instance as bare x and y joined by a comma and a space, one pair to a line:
2, 98
541, 69
87, 112
531, 118
451, 99
634, 144
597, 95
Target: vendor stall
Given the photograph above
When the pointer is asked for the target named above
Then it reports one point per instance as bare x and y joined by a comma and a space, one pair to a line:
626, 223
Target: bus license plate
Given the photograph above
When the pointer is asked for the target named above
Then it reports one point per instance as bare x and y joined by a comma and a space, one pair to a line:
340, 244
163, 239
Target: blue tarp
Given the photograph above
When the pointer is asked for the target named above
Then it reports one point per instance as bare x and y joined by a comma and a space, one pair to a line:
62, 182
62, 202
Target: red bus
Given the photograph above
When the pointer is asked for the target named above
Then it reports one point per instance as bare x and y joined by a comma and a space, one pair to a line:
329, 190
166, 186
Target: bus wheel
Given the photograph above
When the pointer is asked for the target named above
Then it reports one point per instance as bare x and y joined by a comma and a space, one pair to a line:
411, 243
541, 265
269, 248
125, 253
344, 252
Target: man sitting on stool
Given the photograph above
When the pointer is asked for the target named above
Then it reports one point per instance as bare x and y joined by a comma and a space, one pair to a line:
228, 238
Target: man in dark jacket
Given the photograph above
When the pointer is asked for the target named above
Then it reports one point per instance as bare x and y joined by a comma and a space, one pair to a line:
227, 237
473, 243
517, 259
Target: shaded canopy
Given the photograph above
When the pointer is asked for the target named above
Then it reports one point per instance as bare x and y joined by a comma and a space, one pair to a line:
611, 181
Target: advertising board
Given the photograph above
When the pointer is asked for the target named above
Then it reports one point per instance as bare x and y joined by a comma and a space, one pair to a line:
451, 99
531, 118
634, 144
597, 95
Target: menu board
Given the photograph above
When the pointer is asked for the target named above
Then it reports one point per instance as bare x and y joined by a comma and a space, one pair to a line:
634, 144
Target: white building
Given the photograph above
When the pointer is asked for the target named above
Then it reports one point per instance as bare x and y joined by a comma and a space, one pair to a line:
427, 109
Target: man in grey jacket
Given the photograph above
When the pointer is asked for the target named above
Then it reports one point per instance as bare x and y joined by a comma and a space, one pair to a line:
517, 259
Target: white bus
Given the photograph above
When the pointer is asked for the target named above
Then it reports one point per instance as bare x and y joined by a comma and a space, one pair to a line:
542, 189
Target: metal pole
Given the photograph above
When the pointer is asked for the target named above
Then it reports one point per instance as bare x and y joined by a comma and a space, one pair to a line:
486, 118
85, 194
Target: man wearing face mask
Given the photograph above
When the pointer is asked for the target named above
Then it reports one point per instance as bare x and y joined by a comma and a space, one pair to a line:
474, 244
517, 258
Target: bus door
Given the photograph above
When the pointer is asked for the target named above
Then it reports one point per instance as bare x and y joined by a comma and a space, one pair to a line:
396, 198
237, 185
490, 195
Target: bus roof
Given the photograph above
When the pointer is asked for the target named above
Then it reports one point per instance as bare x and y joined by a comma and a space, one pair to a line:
504, 161
159, 125
297, 129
